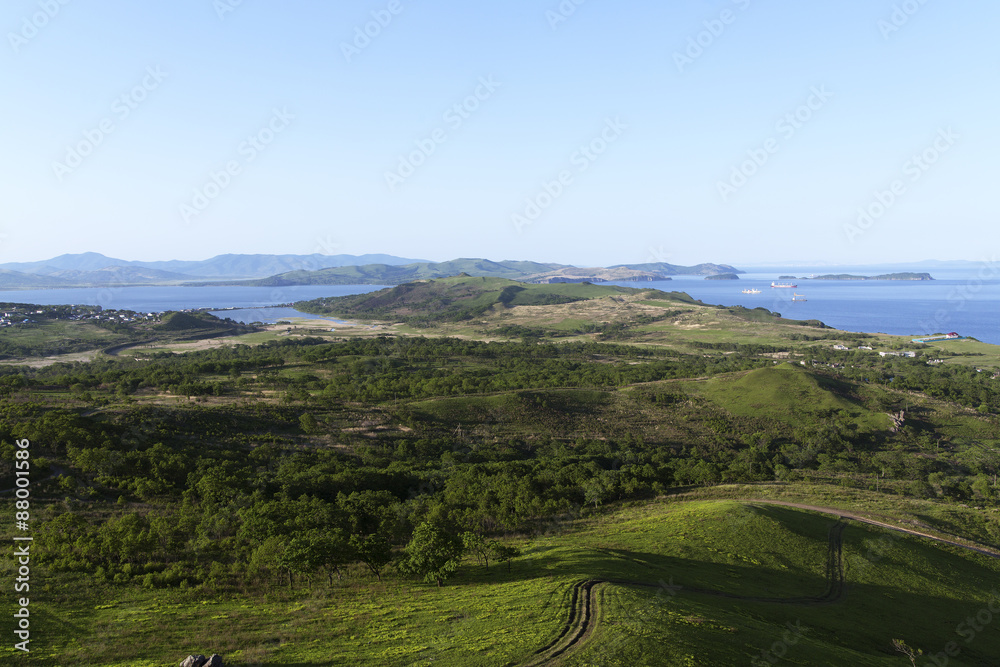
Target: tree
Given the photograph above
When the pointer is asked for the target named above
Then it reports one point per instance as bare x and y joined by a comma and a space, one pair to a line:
475, 544
333, 551
267, 556
297, 556
372, 550
309, 424
434, 552
593, 492
503, 553
909, 652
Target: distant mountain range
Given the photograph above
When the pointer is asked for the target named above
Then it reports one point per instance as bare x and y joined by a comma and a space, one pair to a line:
221, 266
531, 272
94, 269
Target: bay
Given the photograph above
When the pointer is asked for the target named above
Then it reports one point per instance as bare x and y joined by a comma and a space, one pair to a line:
965, 301
270, 315
180, 297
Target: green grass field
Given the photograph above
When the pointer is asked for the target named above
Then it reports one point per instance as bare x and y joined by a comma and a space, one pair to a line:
788, 393
707, 565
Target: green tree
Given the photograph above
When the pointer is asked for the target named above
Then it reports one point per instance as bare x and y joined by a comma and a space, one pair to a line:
434, 552
269, 557
309, 424
333, 551
503, 553
475, 544
374, 551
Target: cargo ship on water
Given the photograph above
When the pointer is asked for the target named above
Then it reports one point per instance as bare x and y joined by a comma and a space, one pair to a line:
784, 285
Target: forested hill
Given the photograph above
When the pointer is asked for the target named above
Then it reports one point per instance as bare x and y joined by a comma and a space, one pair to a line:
457, 298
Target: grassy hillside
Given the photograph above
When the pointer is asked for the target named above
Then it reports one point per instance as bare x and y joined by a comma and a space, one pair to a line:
191, 322
681, 583
18, 280
791, 394
511, 306
192, 502
453, 299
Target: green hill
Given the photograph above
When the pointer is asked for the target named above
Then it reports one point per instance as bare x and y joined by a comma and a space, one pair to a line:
18, 280
192, 322
706, 582
790, 394
459, 298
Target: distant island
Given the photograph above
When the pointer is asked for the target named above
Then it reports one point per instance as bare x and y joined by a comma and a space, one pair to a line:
887, 276
723, 276
523, 271
94, 269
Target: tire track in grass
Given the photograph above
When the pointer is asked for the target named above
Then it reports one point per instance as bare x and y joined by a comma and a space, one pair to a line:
584, 609
578, 627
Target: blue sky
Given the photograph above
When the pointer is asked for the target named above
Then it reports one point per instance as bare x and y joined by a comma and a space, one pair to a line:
730, 131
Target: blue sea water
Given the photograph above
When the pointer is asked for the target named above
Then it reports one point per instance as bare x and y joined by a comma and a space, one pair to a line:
964, 301
967, 302
180, 297
270, 315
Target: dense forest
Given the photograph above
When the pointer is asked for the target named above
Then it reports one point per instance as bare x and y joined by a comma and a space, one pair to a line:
241, 466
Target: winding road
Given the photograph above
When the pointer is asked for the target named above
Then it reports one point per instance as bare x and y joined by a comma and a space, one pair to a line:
584, 609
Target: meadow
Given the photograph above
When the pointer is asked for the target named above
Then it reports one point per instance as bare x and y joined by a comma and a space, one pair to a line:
529, 476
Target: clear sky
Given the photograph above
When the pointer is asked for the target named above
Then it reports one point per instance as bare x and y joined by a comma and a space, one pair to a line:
597, 133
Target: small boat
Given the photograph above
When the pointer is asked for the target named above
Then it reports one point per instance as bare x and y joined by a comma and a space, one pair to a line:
751, 291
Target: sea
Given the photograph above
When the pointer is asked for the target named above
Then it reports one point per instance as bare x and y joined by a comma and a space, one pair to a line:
966, 301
